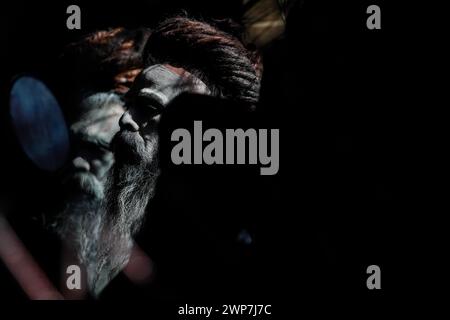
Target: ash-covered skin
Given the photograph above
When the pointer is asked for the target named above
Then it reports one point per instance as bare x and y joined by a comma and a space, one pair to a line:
92, 133
79, 223
98, 70
183, 55
227, 69
132, 179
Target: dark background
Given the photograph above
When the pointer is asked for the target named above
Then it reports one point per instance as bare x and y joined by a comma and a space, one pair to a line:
334, 89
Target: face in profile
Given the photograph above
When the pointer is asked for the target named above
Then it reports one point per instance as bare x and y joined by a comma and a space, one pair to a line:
99, 69
92, 133
116, 186
132, 180
84, 181
152, 91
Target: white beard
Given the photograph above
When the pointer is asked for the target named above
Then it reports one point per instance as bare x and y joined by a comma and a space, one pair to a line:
100, 230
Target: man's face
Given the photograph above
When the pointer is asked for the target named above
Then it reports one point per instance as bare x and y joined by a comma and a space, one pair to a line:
103, 229
82, 217
131, 181
92, 132
151, 92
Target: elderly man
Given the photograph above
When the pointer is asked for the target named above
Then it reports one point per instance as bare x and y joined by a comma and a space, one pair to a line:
104, 65
97, 71
182, 55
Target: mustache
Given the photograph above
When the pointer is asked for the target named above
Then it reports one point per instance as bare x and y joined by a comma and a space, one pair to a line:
128, 146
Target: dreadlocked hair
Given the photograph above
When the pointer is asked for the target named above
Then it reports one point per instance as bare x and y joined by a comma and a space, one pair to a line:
94, 60
218, 58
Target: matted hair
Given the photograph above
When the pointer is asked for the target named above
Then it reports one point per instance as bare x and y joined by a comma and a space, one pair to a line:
98, 57
218, 58
101, 61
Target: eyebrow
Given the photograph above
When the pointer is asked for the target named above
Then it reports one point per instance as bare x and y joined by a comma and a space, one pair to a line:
161, 99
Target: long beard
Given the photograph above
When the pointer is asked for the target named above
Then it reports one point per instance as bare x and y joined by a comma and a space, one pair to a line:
128, 191
101, 230
131, 181
100, 246
80, 226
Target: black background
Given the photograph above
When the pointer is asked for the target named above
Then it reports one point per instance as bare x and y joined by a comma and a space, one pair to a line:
335, 89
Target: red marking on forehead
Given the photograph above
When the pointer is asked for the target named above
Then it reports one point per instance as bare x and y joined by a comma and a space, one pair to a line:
179, 71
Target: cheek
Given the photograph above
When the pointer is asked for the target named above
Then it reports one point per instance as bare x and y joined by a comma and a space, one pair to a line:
152, 146
150, 131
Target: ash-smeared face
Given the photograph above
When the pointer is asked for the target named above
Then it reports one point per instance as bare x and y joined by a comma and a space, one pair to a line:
103, 230
151, 92
132, 179
82, 222
92, 132
131, 182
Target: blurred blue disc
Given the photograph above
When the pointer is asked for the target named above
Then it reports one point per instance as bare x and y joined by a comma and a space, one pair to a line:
39, 123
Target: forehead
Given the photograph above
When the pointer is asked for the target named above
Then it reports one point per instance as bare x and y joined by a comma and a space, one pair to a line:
100, 117
166, 78
163, 73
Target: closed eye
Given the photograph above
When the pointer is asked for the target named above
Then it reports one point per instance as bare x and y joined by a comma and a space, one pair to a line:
148, 106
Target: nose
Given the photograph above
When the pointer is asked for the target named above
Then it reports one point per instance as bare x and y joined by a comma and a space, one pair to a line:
126, 122
81, 164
